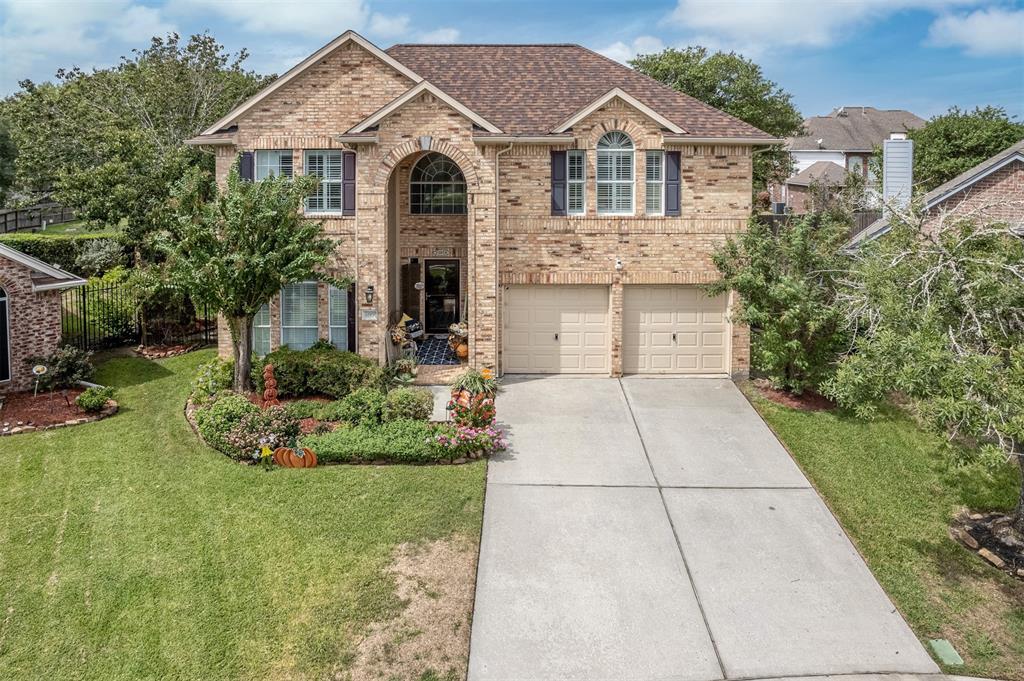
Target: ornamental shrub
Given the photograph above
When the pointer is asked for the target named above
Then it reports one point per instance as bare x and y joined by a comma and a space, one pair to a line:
364, 407
65, 367
303, 409
479, 412
216, 420
414, 404
320, 370
62, 250
273, 427
94, 399
401, 441
212, 378
454, 441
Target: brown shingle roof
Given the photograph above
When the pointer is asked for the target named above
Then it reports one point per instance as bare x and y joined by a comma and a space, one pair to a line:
530, 89
854, 128
821, 172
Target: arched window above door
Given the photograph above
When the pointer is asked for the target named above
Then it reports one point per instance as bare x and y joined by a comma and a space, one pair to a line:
437, 187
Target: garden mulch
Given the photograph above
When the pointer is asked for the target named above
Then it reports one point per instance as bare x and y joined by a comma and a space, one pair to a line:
808, 401
44, 409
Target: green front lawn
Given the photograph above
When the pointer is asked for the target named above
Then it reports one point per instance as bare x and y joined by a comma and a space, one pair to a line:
129, 550
895, 491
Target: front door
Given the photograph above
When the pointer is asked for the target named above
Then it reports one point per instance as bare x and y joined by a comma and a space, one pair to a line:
442, 294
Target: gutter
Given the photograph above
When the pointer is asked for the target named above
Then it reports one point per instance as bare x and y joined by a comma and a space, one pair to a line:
753, 141
524, 139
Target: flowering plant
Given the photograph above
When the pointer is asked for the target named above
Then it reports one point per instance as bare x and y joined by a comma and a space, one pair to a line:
461, 441
477, 411
271, 427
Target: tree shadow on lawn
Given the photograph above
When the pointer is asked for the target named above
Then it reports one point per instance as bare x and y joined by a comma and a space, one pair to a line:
122, 372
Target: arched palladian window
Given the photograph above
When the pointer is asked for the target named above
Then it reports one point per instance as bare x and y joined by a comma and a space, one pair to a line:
437, 186
5, 338
615, 174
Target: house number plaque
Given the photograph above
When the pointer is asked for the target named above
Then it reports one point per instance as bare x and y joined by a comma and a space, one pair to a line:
442, 252
368, 314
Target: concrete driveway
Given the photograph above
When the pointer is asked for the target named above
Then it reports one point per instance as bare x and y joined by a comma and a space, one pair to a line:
656, 529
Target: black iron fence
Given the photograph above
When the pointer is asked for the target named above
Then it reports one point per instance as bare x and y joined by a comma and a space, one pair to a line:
99, 316
34, 217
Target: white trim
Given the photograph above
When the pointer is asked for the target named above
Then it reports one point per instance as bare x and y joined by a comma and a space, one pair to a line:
214, 142
412, 93
356, 139
306, 63
628, 99
69, 280
973, 179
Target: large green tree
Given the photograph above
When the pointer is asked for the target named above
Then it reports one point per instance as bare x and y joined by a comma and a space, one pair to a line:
8, 153
109, 142
786, 275
957, 140
736, 85
940, 320
233, 250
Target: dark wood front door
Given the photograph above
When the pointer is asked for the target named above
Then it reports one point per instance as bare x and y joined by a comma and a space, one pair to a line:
442, 294
5, 345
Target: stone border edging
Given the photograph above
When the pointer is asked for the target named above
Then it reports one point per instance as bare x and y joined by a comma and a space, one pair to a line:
142, 351
110, 409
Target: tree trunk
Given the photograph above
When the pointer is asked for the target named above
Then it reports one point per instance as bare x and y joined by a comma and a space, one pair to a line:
1018, 513
241, 347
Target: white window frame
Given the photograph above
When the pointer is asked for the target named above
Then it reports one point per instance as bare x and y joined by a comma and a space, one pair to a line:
325, 182
613, 153
580, 181
284, 314
256, 324
658, 184
331, 292
269, 161
425, 162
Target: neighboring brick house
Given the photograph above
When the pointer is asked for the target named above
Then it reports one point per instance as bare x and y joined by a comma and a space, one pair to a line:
992, 191
29, 314
564, 206
846, 137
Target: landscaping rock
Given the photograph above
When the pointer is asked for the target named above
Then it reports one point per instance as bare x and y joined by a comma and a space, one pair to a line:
992, 558
460, 460
965, 538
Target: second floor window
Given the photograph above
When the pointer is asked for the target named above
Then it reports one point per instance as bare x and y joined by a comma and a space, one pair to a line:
327, 165
615, 174
273, 163
437, 186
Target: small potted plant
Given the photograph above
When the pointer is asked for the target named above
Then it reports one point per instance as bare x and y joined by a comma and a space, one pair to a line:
471, 383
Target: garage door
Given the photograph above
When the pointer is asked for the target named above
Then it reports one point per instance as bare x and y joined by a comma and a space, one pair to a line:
556, 329
674, 330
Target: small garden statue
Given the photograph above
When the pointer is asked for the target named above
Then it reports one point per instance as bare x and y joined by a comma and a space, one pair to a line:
269, 387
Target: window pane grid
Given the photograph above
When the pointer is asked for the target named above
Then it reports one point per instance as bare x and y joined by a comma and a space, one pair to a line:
299, 315
273, 163
338, 319
437, 186
615, 178
327, 165
577, 174
655, 188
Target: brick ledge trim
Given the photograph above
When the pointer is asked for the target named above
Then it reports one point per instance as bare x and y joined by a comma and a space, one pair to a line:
605, 278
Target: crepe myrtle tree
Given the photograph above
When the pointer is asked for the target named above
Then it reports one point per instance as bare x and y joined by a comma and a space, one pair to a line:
938, 314
234, 249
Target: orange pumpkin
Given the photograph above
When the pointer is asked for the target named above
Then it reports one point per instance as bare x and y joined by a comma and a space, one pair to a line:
286, 457
462, 351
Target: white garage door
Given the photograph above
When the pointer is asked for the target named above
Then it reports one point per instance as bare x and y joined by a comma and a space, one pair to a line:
556, 329
674, 330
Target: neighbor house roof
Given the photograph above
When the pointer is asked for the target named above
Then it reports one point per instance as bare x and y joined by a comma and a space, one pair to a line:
853, 128
821, 172
535, 89
945, 191
44, 277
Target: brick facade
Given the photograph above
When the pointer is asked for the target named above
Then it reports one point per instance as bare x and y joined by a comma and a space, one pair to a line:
34, 322
513, 240
997, 197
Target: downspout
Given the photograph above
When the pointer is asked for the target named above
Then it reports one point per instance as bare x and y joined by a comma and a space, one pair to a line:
499, 317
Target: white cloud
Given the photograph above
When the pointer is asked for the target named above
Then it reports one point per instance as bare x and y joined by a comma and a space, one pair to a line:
309, 19
754, 25
440, 35
623, 52
38, 36
984, 32
389, 27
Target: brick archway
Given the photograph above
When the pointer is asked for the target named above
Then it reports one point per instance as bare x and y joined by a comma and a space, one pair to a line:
396, 155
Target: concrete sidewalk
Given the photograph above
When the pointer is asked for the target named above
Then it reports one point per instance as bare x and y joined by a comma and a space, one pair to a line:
656, 529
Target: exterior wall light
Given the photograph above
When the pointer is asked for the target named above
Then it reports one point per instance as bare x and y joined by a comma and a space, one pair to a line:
368, 294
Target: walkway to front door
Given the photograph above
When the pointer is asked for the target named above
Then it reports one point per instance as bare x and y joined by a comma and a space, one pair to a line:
656, 529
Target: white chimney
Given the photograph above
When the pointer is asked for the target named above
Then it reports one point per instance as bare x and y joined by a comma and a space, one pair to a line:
897, 171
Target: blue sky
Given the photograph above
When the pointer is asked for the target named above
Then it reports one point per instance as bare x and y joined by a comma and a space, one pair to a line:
921, 55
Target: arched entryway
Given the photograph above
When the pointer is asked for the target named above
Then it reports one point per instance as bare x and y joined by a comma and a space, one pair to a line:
428, 250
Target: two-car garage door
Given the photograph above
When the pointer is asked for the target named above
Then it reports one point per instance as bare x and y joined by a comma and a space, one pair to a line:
567, 329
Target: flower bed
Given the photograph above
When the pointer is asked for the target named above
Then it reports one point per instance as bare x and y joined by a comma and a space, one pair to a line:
164, 351
25, 412
366, 425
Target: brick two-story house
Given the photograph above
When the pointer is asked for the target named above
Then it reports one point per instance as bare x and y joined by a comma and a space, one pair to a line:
562, 205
